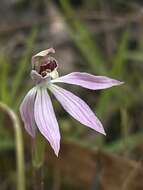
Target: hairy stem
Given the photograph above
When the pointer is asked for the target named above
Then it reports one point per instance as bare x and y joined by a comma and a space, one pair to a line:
38, 161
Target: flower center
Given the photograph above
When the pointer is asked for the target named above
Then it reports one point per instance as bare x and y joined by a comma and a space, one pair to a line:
48, 67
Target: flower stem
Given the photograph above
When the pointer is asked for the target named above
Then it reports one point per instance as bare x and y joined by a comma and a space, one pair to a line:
19, 146
38, 178
38, 160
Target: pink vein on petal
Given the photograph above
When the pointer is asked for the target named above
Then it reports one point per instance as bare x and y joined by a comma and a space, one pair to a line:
77, 108
27, 112
87, 80
46, 120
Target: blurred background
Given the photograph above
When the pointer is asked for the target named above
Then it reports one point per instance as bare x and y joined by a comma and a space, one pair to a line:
97, 36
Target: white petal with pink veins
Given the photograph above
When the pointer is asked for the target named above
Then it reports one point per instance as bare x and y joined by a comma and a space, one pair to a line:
27, 112
77, 108
46, 120
87, 80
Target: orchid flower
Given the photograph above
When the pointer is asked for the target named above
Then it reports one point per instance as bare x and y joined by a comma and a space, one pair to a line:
37, 110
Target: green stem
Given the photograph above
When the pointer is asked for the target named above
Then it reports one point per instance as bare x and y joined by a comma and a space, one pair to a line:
38, 160
19, 146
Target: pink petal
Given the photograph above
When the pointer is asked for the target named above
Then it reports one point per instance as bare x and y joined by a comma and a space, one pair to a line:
46, 120
77, 108
27, 112
88, 81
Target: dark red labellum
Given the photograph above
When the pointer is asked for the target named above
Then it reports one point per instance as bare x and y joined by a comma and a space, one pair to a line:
49, 66
52, 65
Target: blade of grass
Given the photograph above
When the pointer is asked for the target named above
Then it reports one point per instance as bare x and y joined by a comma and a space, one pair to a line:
83, 39
120, 57
4, 66
117, 71
125, 124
